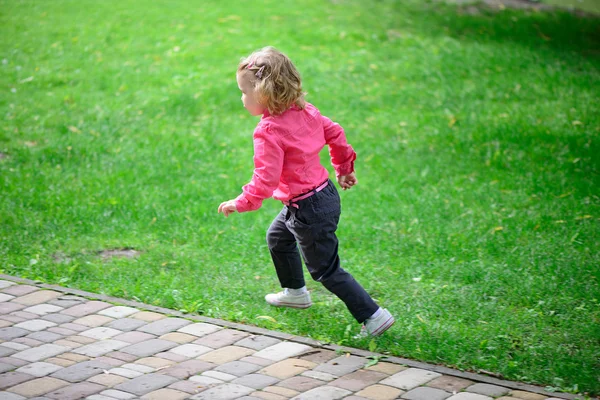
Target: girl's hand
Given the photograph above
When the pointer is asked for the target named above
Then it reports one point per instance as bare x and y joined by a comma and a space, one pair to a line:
347, 181
227, 207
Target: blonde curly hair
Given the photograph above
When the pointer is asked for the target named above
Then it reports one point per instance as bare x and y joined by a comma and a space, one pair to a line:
276, 80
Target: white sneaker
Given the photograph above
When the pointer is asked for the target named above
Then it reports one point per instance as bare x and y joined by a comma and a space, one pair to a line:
376, 326
285, 299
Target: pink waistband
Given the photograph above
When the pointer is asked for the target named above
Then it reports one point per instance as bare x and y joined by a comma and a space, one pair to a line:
293, 201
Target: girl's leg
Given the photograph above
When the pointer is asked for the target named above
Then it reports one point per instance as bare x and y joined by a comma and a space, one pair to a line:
284, 252
314, 224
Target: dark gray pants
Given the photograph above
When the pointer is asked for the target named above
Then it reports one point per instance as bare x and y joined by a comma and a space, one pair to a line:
311, 227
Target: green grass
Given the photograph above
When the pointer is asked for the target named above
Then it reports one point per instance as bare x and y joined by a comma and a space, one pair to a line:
477, 213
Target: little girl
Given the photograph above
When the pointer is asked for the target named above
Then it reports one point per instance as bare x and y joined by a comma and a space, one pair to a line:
287, 142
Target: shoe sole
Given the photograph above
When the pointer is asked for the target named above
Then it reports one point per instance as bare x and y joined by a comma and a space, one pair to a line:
384, 327
291, 305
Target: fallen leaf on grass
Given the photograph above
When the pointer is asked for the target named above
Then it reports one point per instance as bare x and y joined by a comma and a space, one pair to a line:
268, 318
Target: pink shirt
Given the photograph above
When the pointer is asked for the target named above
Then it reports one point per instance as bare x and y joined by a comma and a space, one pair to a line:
286, 156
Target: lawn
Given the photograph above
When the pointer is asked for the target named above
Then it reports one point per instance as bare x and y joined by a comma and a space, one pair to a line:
475, 221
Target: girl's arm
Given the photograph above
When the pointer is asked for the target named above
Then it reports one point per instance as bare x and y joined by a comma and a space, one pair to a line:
268, 164
341, 153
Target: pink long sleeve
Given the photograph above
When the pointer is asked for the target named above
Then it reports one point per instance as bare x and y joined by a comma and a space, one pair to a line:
341, 153
268, 164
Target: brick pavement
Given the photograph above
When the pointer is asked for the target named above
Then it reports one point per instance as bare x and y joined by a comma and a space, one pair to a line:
64, 344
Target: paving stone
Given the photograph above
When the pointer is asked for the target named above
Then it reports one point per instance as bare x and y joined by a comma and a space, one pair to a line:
8, 307
205, 382
10, 333
178, 337
113, 362
45, 336
81, 371
355, 398
257, 342
426, 393
300, 383
6, 367
38, 297
100, 333
148, 347
322, 376
100, 348
41, 352
165, 394
171, 356
263, 362
148, 316
146, 383
25, 315
221, 338
74, 327
64, 303
5, 351
119, 311
283, 350
20, 290
126, 324
487, 390
125, 372
287, 368
13, 361
80, 339
155, 362
238, 368
256, 381
449, 383
187, 368
134, 337
76, 391
117, 394
39, 369
5, 297
99, 397
68, 343
28, 341
15, 346
226, 391
323, 392
265, 396
186, 386
522, 395
226, 354
469, 396
285, 392
11, 396
386, 368
410, 378
62, 331
358, 380
9, 379
43, 309
38, 387
163, 326
190, 350
4, 284
199, 329
60, 362
144, 369
90, 307
319, 356
73, 357
10, 318
5, 324
107, 380
222, 376
122, 356
35, 325
94, 320
341, 365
